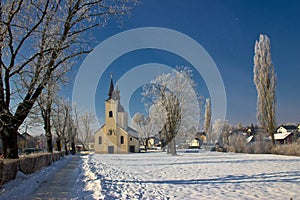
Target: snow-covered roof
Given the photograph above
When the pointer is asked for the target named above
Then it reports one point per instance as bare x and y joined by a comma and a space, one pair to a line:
288, 127
248, 139
281, 136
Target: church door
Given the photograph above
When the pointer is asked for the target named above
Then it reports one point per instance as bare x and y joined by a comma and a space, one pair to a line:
131, 149
110, 149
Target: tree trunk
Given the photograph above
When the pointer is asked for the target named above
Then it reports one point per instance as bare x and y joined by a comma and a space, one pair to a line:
272, 138
9, 136
169, 148
163, 145
73, 148
58, 145
173, 147
146, 145
47, 128
66, 148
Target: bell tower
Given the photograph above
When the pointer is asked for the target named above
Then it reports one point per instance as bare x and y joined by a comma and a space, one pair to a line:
111, 110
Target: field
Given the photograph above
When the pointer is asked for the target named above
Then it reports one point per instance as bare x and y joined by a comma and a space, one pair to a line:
197, 175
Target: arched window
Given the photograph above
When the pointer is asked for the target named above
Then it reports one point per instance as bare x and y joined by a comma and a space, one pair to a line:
100, 140
122, 140
110, 114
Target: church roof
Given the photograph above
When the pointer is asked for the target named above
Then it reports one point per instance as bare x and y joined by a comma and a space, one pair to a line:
111, 88
114, 92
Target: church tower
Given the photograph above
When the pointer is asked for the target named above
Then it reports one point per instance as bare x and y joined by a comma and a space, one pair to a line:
111, 110
115, 136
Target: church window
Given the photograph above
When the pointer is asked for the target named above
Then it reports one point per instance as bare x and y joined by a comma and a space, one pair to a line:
130, 139
110, 114
100, 140
110, 131
122, 140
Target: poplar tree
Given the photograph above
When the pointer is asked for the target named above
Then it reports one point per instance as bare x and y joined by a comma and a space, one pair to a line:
265, 82
207, 116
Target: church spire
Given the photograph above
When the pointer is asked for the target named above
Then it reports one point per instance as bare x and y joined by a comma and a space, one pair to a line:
111, 88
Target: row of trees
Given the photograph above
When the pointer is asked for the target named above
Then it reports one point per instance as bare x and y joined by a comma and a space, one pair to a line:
172, 103
265, 82
39, 41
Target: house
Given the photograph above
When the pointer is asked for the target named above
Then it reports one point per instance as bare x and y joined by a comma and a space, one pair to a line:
153, 142
30, 141
115, 136
285, 134
287, 128
91, 143
283, 138
195, 143
22, 142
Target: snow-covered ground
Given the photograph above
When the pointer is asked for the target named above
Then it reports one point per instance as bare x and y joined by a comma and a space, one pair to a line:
200, 175
203, 175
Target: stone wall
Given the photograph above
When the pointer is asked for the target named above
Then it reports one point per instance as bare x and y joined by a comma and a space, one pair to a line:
27, 165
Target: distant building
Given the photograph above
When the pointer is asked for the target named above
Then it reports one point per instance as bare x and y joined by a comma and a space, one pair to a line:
195, 143
91, 143
283, 138
115, 136
285, 134
30, 141
287, 128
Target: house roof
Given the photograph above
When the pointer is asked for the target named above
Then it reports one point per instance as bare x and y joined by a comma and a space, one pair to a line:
132, 132
288, 127
25, 134
249, 139
198, 134
111, 88
281, 136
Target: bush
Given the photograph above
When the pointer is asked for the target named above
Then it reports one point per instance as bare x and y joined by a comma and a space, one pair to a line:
237, 144
287, 149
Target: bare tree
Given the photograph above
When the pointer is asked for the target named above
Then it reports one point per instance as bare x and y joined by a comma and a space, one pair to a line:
45, 104
72, 130
146, 128
265, 82
60, 122
221, 129
64, 124
175, 104
37, 38
86, 128
207, 120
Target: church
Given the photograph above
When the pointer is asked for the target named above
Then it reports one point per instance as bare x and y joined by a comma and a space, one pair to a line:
115, 136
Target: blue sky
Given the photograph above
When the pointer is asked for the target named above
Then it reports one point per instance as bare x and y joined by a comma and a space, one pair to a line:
227, 30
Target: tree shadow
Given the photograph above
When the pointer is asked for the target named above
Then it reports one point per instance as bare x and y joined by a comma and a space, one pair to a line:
276, 177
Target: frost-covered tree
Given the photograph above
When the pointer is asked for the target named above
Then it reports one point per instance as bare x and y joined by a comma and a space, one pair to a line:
265, 82
221, 129
145, 126
38, 37
60, 122
65, 124
207, 119
86, 127
174, 104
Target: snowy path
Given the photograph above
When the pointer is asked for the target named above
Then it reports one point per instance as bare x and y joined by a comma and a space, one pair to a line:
191, 176
112, 182
24, 186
